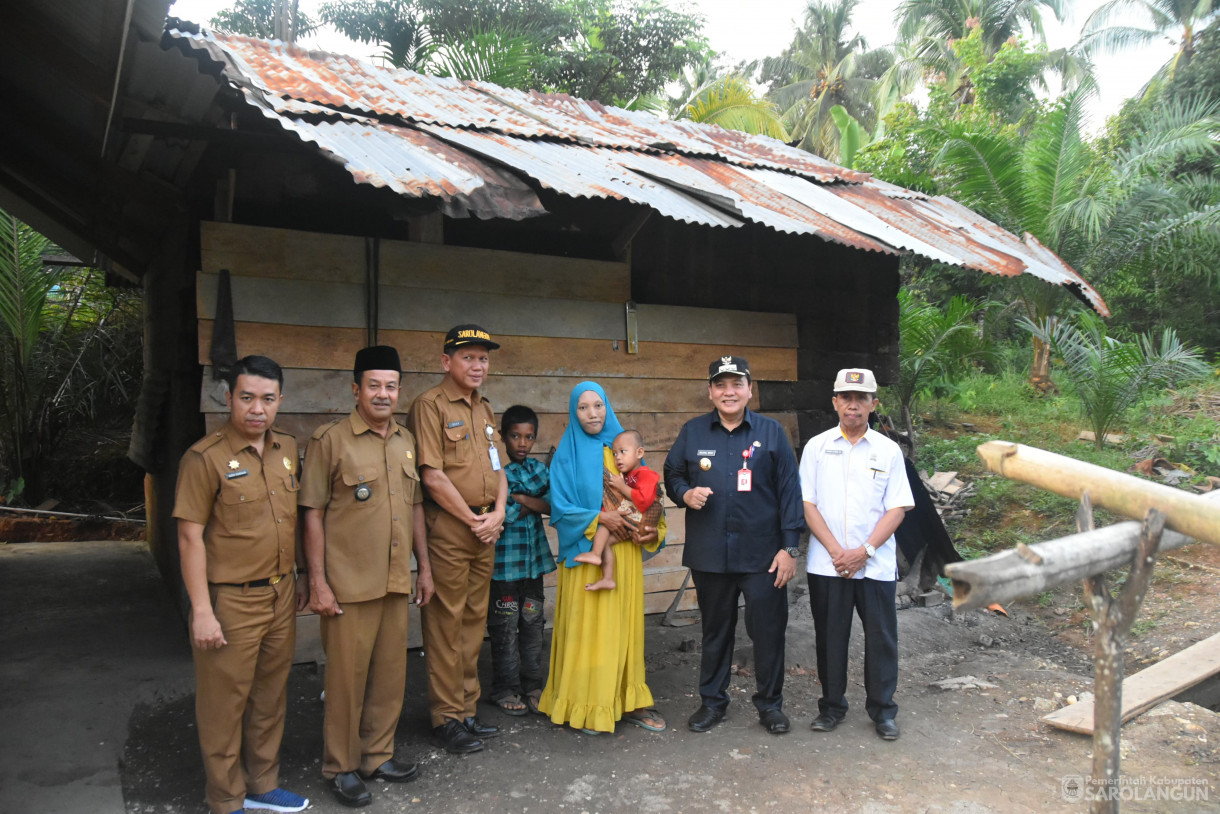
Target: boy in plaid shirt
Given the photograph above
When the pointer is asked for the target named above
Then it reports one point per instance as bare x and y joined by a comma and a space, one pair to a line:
523, 555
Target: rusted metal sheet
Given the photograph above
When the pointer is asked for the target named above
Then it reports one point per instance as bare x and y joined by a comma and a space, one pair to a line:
471, 145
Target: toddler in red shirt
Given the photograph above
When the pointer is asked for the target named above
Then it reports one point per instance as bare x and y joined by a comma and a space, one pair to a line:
634, 493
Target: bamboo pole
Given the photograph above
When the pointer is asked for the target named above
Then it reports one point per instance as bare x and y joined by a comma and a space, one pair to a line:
1120, 493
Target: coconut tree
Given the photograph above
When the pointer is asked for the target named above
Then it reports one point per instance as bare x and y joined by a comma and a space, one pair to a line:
1110, 376
1120, 25
826, 65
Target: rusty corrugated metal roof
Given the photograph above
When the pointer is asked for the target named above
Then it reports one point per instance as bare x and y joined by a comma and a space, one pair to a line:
470, 145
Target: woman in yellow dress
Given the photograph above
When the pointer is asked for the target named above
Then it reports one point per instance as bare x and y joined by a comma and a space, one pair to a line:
597, 649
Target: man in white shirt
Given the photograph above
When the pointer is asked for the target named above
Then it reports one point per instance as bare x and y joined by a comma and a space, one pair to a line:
855, 492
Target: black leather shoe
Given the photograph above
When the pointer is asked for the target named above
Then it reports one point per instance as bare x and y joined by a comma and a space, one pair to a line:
479, 729
888, 730
824, 723
350, 790
455, 739
775, 721
704, 719
394, 771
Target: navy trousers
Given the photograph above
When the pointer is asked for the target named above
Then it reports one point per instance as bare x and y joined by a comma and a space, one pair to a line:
832, 601
766, 624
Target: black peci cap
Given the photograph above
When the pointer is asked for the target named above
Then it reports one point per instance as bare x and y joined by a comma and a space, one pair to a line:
377, 357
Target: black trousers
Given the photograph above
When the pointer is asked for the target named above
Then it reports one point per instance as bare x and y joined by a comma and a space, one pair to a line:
766, 624
832, 600
515, 628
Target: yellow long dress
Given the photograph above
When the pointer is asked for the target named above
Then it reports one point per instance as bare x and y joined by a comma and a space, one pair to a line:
597, 647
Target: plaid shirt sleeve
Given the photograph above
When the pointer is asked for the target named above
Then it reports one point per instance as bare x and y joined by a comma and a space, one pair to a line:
522, 551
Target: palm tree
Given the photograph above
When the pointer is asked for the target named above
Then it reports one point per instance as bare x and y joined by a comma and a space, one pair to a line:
732, 103
938, 22
826, 65
1025, 185
1111, 376
24, 287
1182, 19
933, 344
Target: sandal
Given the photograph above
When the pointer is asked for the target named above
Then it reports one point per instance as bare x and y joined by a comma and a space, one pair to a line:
531, 700
511, 705
648, 719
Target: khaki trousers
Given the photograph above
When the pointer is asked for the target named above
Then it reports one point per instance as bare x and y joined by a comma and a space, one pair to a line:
455, 620
366, 677
241, 691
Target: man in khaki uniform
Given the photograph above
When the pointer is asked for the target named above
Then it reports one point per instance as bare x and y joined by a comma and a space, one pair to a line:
237, 540
363, 517
460, 459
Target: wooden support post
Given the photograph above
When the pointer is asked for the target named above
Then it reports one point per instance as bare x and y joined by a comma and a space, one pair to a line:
1113, 616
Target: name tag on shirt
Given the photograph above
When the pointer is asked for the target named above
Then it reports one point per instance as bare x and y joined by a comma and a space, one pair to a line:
453, 424
745, 480
710, 453
494, 454
833, 451
239, 474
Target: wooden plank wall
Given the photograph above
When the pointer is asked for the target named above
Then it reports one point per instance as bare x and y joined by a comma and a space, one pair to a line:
300, 298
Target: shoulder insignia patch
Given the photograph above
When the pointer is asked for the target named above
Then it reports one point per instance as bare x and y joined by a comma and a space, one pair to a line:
325, 428
206, 442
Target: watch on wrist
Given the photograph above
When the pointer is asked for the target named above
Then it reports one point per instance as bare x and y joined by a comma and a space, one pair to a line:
869, 550
793, 552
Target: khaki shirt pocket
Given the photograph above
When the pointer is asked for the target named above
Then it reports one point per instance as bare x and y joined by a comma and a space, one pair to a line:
241, 506
363, 484
457, 444
410, 481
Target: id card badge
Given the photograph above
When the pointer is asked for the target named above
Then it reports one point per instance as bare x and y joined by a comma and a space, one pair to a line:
494, 454
745, 480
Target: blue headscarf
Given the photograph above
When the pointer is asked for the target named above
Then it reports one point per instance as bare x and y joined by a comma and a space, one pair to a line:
576, 476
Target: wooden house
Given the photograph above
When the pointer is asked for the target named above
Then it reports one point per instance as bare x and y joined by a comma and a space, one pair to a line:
346, 204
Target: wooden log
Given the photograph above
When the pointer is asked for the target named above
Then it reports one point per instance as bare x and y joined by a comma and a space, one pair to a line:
1118, 492
306, 346
1009, 575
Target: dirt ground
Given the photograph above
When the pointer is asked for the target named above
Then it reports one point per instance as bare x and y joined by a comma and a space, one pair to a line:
980, 748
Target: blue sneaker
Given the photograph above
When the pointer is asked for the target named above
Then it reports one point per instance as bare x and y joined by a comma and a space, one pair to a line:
277, 800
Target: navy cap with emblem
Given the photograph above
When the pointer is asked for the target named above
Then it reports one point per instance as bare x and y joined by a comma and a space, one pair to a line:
736, 365
460, 335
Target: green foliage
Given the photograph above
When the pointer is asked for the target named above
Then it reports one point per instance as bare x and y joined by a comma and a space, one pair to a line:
1110, 376
1120, 25
850, 136
615, 51
69, 356
824, 66
731, 103
1004, 80
934, 345
256, 18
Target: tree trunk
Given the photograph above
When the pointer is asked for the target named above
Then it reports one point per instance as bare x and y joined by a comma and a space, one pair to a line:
1040, 368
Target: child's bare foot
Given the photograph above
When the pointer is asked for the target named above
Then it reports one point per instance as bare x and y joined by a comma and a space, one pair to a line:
603, 584
590, 558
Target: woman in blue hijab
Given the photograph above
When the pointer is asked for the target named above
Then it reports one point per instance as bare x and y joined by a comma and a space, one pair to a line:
597, 650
